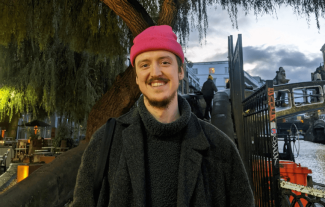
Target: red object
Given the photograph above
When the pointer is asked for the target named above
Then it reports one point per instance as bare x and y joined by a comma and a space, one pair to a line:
3, 133
289, 171
159, 37
35, 129
294, 173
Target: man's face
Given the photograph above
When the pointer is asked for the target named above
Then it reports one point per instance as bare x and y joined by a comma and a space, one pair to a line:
158, 77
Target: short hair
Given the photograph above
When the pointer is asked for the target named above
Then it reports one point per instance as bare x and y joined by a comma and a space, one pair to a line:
179, 63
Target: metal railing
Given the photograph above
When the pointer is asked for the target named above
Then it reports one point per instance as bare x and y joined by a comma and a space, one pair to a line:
262, 145
190, 71
260, 134
292, 92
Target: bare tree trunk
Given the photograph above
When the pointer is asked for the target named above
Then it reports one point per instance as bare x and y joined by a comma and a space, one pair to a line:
168, 13
115, 102
124, 91
131, 16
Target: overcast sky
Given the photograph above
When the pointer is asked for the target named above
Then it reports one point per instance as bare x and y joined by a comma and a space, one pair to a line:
268, 42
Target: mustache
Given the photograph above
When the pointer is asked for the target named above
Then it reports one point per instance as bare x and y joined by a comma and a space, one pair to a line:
157, 78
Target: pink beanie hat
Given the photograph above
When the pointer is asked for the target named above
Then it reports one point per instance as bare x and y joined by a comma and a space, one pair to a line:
159, 37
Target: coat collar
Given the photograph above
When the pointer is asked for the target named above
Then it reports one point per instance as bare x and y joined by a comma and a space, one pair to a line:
193, 144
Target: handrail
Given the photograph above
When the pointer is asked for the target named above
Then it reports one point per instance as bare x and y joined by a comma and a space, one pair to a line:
307, 194
194, 75
302, 189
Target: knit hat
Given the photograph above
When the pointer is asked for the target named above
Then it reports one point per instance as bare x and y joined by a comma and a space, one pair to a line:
210, 77
159, 37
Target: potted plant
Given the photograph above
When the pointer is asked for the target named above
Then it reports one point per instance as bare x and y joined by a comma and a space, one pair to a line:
63, 134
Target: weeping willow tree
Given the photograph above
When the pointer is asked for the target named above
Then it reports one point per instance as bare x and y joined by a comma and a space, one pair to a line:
52, 59
57, 55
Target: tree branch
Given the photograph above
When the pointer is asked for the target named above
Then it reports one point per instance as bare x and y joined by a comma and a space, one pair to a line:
143, 12
168, 13
132, 13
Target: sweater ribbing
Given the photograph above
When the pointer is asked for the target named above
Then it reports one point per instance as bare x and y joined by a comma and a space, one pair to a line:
162, 153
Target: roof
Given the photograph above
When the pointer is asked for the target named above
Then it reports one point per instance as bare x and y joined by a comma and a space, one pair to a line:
252, 81
211, 62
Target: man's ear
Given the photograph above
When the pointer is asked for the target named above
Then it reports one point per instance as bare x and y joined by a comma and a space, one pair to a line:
181, 75
136, 78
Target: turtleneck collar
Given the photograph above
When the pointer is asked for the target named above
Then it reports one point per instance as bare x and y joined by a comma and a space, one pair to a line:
157, 128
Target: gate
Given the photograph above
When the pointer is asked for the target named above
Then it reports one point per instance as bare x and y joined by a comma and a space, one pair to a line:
256, 129
262, 145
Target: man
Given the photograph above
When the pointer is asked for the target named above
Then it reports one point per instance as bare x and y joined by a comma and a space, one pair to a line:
208, 90
280, 78
161, 153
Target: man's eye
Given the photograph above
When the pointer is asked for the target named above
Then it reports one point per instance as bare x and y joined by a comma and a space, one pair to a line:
165, 62
145, 65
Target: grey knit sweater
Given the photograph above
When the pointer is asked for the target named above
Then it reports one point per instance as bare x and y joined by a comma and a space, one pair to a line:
162, 153
210, 170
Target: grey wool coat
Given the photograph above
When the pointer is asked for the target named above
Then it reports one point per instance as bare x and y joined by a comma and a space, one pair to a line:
211, 172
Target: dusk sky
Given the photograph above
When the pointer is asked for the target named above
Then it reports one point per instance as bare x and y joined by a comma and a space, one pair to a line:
269, 42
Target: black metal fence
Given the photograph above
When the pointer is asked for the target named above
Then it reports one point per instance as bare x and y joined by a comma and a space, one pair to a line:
262, 145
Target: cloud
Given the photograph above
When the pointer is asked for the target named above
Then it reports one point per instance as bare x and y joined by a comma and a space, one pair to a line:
267, 60
217, 57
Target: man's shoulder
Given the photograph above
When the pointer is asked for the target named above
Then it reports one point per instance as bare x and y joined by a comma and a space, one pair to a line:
98, 135
124, 119
127, 117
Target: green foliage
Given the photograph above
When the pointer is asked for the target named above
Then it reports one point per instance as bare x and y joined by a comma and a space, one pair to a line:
83, 25
58, 56
55, 79
63, 132
31, 135
90, 25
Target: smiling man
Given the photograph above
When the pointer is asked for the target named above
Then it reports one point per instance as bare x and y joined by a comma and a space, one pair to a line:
162, 154
158, 75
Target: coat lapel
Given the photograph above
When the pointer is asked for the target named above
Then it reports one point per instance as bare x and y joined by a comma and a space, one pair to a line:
134, 148
194, 142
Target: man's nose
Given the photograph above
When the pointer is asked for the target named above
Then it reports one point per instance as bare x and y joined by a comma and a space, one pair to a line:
155, 70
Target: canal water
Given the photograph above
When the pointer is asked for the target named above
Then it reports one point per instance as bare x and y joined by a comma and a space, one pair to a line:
311, 155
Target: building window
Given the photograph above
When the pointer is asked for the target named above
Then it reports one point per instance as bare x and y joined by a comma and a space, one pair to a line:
194, 70
185, 87
211, 70
180, 87
214, 80
226, 70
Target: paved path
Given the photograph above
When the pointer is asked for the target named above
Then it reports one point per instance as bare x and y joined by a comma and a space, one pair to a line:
8, 176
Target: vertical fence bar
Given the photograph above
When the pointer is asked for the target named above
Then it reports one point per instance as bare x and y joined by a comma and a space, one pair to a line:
274, 140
